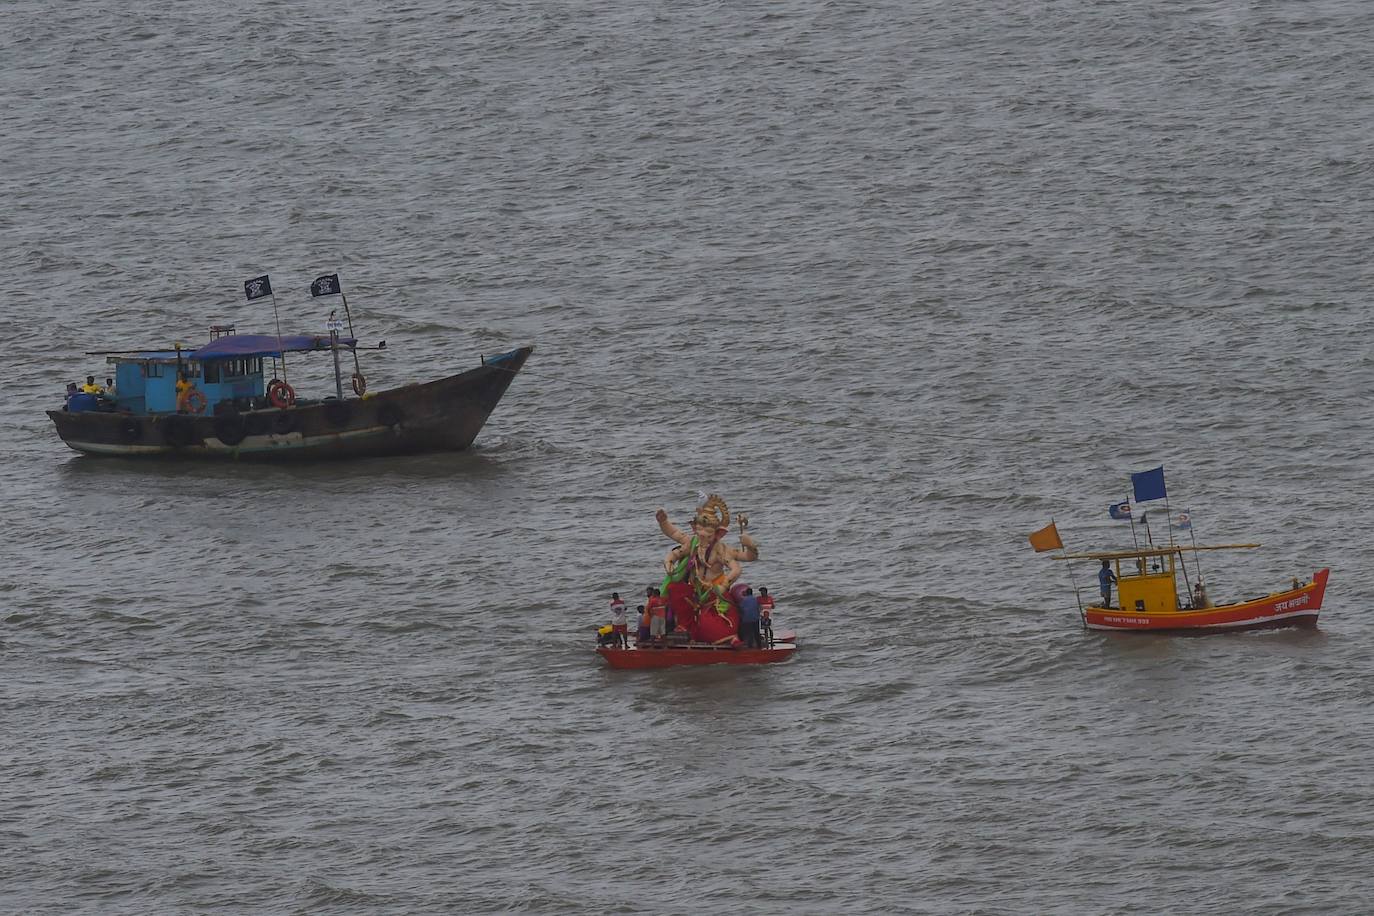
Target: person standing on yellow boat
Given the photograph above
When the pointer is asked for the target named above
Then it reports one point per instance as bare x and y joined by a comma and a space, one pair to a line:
1105, 578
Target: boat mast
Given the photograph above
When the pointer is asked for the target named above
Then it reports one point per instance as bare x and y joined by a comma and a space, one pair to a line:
256, 288
1130, 504
328, 285
334, 348
1169, 521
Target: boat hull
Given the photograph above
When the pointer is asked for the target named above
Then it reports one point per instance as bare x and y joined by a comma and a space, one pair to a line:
1296, 607
443, 415
639, 659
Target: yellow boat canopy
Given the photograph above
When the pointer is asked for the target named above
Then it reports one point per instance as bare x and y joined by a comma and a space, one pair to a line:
1147, 552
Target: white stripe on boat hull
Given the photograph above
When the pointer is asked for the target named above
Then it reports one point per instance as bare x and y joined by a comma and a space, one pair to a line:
1228, 625
271, 442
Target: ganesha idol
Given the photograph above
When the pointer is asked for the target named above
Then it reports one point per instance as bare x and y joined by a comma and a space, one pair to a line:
702, 583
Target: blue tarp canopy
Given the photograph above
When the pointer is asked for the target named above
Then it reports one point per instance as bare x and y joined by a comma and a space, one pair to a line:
265, 345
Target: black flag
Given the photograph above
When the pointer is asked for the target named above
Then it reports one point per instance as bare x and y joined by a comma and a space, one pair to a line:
328, 285
257, 287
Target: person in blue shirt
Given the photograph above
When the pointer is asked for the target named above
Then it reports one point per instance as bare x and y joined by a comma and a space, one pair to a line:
1105, 578
749, 620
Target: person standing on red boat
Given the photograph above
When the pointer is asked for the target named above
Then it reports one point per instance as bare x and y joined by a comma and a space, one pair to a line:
619, 628
766, 616
653, 602
658, 621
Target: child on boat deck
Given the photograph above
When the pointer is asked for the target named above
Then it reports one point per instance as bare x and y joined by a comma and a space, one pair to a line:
642, 635
1105, 578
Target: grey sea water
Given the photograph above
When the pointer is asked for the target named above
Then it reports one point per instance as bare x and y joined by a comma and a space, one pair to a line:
902, 281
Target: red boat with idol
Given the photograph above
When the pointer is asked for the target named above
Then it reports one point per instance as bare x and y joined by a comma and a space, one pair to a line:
670, 655
702, 614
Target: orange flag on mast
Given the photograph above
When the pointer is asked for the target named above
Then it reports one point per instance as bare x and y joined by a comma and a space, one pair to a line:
1046, 538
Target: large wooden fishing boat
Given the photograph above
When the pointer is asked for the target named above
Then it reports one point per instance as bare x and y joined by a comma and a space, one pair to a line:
214, 401
783, 648
1147, 581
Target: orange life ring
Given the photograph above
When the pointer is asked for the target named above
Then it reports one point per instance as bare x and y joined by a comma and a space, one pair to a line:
193, 401
359, 384
280, 394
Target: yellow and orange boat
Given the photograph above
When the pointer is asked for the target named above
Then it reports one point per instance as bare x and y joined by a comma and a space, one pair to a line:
1149, 599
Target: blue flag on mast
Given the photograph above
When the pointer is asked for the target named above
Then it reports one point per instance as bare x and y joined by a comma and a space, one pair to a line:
1119, 511
1148, 484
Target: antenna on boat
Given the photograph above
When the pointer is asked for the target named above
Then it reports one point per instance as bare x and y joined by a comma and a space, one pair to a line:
256, 288
1135, 541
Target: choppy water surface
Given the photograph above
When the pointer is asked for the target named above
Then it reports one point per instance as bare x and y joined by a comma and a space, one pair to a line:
902, 281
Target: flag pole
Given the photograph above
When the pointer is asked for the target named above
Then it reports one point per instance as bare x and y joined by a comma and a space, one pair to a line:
277, 315
328, 285
1073, 580
1197, 560
1135, 541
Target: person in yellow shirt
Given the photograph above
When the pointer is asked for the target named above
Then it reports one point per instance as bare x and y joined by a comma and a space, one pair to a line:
91, 387
184, 392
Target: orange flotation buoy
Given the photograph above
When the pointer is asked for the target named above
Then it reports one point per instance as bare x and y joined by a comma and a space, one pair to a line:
280, 394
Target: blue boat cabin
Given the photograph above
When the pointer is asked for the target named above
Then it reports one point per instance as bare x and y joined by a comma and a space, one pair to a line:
147, 382
229, 370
